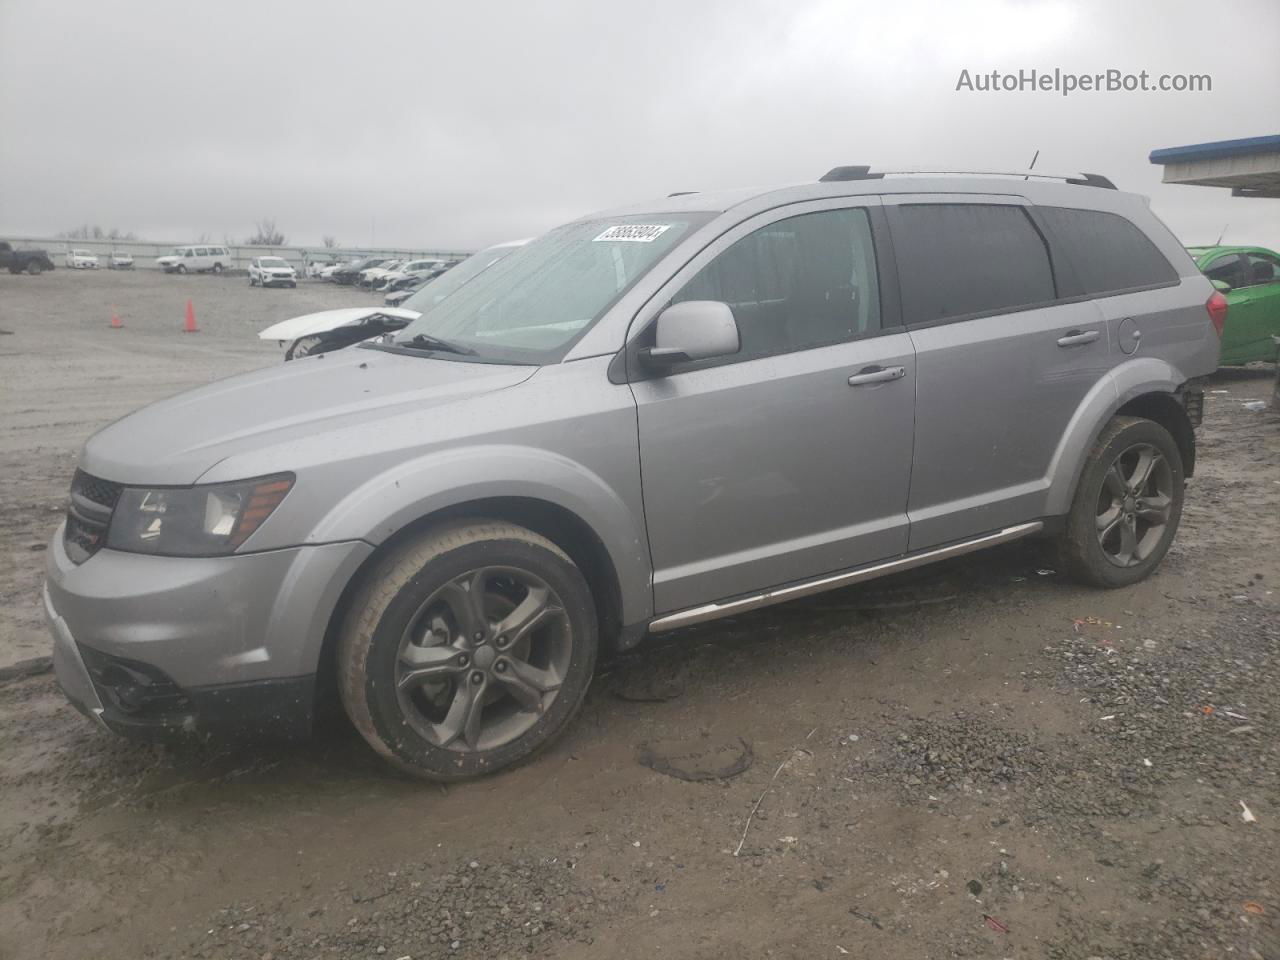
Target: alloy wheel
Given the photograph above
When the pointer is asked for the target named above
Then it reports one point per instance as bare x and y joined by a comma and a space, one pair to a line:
1134, 505
483, 658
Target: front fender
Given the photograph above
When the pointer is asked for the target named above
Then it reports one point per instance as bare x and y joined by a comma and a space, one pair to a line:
1131, 379
418, 488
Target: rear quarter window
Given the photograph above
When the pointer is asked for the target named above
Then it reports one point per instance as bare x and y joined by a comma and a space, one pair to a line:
1109, 252
958, 260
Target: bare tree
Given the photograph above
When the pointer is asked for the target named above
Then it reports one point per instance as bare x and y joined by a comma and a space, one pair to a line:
95, 232
203, 238
329, 240
267, 235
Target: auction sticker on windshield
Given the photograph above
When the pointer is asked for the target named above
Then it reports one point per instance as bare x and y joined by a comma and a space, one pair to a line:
635, 232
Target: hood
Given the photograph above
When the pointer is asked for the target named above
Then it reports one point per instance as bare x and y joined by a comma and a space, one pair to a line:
175, 441
313, 323
168, 259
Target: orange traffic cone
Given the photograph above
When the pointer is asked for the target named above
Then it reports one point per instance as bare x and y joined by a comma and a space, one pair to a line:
190, 326
115, 320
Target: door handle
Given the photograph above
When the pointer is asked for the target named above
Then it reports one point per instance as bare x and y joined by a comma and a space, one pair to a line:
877, 375
1077, 338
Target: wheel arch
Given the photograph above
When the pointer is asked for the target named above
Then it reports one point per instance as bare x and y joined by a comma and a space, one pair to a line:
1146, 387
563, 527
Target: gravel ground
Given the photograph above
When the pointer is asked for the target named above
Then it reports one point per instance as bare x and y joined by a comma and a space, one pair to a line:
982, 760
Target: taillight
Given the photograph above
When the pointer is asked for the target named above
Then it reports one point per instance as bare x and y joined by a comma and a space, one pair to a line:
1217, 307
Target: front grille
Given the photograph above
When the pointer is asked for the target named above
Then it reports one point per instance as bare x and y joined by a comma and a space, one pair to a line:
88, 515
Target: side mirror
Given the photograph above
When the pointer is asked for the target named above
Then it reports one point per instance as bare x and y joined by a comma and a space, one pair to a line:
693, 330
1222, 286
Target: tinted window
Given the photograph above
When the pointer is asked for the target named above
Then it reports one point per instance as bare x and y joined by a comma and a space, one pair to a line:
1263, 269
1109, 252
1228, 269
803, 282
961, 259
202, 252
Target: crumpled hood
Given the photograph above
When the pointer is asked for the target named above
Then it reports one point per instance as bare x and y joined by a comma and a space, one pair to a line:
312, 323
175, 441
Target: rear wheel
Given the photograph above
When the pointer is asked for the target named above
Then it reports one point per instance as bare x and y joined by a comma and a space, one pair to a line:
467, 649
1128, 505
35, 267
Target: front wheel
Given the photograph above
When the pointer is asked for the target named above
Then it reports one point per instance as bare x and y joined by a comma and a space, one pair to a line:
217, 268
1127, 507
182, 268
467, 649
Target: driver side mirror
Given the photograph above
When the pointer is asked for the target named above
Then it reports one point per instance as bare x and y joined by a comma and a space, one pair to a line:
693, 330
1222, 286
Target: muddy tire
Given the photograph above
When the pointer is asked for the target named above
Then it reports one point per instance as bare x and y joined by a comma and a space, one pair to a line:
1127, 507
467, 649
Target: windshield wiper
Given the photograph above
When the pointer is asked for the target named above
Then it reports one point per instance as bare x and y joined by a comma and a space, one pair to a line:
427, 342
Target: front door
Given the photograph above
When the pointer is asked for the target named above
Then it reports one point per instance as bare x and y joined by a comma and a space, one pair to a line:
792, 458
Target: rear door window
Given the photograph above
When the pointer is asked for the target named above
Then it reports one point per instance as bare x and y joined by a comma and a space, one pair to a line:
803, 282
1228, 269
1110, 254
1262, 270
960, 260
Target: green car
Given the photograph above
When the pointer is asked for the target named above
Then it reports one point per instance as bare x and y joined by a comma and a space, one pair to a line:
1250, 279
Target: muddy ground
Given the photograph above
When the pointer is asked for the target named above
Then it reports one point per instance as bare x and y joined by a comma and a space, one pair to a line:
981, 761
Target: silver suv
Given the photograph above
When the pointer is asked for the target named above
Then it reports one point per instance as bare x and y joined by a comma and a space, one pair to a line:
644, 419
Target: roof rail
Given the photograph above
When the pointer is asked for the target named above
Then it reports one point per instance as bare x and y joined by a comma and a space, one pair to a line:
682, 193
865, 173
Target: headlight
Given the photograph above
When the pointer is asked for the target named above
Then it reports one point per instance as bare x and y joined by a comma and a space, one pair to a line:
209, 520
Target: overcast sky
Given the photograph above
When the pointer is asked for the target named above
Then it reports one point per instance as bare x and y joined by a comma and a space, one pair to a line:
452, 125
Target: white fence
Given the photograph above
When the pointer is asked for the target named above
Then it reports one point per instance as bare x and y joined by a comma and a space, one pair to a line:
144, 252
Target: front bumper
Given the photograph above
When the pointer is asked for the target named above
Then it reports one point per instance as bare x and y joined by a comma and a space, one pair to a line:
152, 647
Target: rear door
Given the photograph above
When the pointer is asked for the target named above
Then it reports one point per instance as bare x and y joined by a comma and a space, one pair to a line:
1001, 364
792, 458
1253, 316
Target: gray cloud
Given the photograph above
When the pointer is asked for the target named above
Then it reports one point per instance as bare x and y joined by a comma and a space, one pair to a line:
453, 124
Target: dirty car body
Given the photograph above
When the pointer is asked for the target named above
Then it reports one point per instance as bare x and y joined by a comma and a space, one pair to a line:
815, 395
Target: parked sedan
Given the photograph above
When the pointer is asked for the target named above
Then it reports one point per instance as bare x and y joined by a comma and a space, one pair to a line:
120, 261
368, 277
271, 271
348, 272
81, 260
1250, 279
410, 270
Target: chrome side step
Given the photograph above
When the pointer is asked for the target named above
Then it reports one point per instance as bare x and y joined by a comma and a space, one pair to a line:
713, 611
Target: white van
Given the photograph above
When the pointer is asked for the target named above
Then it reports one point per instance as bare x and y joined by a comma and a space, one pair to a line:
199, 258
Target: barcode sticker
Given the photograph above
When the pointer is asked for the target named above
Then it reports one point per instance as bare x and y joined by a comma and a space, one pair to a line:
634, 232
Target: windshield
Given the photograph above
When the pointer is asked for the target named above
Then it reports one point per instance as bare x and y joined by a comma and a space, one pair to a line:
273, 262
436, 290
178, 251
529, 306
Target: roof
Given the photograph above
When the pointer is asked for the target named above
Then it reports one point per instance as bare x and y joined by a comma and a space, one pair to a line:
1248, 167
890, 182
1217, 149
1216, 250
